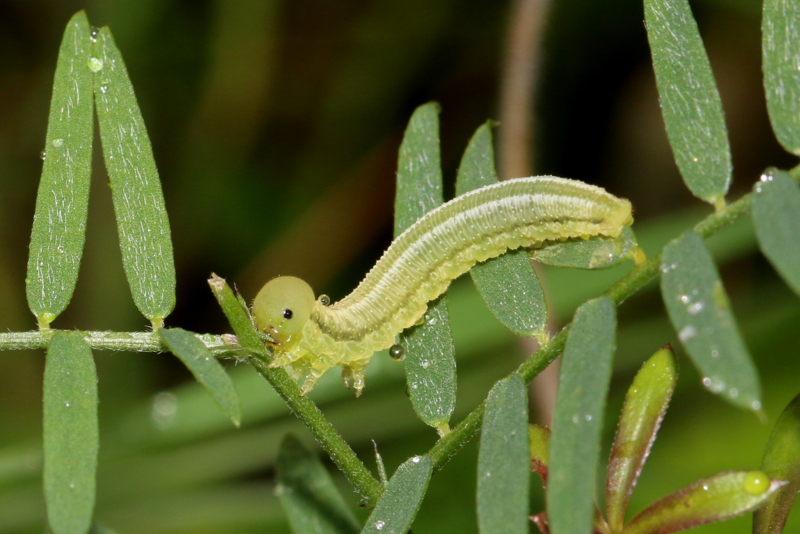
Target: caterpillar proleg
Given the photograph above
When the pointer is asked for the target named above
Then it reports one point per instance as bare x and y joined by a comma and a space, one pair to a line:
311, 337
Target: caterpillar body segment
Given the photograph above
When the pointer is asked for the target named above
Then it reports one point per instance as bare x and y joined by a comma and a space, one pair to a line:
419, 266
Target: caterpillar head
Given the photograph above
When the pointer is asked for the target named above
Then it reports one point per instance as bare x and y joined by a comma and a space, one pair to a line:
282, 308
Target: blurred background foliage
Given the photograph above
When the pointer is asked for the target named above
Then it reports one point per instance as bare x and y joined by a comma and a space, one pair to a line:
275, 126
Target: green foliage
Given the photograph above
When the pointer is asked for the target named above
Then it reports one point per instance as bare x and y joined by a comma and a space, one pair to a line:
144, 233
70, 433
700, 312
429, 355
307, 493
508, 283
578, 418
402, 497
503, 459
689, 99
59, 224
205, 368
168, 464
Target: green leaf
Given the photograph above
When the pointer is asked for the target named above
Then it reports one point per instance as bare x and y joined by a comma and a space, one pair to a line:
428, 348
578, 418
508, 284
503, 459
205, 368
712, 499
598, 252
400, 501
59, 223
70, 433
307, 493
644, 408
142, 222
780, 34
776, 217
690, 102
419, 168
782, 462
700, 313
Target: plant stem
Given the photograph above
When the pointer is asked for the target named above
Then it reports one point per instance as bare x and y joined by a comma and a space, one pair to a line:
117, 341
326, 435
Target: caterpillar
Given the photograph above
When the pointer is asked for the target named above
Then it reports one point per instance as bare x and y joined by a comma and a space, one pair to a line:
310, 335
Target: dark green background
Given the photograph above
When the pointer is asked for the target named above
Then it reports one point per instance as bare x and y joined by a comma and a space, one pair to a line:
275, 126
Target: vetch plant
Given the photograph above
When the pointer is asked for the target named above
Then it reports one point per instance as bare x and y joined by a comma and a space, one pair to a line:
91, 77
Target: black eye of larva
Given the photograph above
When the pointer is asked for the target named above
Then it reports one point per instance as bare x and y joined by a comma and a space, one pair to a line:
287, 314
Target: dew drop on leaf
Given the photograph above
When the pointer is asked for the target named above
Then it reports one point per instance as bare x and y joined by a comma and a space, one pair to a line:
756, 482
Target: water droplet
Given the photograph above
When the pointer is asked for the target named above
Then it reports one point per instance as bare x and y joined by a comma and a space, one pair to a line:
714, 384
685, 299
95, 65
705, 487
72, 485
380, 524
164, 410
733, 393
66, 404
104, 89
60, 249
325, 300
756, 482
424, 364
93, 34
755, 405
43, 155
687, 333
57, 142
766, 177
575, 419
587, 417
695, 308
396, 352
415, 459
714, 353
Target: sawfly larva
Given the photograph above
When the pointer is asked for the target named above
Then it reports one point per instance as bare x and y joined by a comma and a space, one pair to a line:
311, 336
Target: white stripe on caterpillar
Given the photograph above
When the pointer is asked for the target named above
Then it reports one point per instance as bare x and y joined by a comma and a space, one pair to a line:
311, 337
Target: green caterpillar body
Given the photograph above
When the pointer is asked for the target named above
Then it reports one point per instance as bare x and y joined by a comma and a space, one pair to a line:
312, 337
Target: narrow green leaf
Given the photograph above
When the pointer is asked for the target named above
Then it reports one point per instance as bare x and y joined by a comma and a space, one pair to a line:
400, 501
690, 102
578, 418
142, 222
508, 284
70, 433
780, 48
700, 313
237, 315
644, 408
598, 252
782, 462
716, 498
539, 438
503, 459
776, 217
428, 348
205, 368
59, 223
419, 168
307, 493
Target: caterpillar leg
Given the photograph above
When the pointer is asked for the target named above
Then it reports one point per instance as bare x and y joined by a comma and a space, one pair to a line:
354, 373
315, 371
